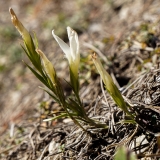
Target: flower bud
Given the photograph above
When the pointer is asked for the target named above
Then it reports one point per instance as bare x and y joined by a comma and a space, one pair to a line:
109, 84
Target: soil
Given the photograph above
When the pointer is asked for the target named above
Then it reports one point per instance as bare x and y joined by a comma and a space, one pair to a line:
125, 34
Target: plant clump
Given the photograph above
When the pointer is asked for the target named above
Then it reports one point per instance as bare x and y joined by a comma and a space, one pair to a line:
126, 118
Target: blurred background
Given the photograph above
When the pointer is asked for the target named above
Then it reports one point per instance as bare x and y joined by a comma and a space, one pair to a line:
99, 23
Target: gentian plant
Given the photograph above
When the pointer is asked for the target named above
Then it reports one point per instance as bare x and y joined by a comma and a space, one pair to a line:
44, 70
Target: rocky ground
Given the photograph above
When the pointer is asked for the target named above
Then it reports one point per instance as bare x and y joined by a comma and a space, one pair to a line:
126, 36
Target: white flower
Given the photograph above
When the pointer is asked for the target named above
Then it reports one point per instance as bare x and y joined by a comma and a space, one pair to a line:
71, 51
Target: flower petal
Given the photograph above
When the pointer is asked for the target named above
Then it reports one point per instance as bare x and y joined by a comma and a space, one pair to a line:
74, 43
65, 48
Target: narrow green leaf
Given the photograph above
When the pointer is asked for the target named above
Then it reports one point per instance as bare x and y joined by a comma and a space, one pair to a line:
128, 121
56, 117
37, 75
74, 106
35, 40
35, 56
54, 97
28, 55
